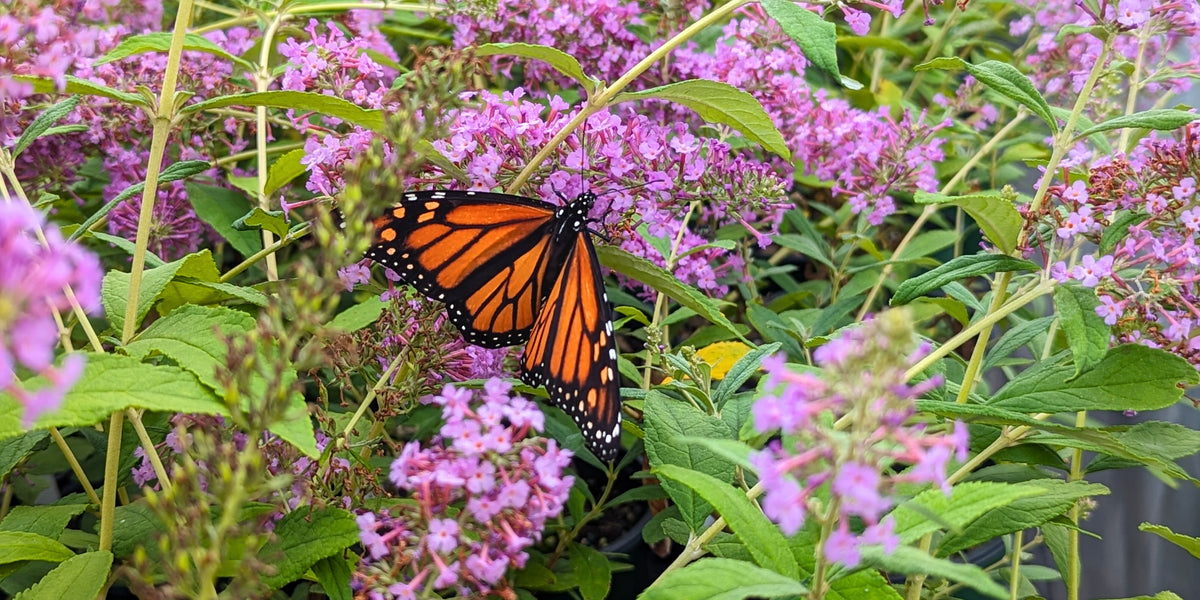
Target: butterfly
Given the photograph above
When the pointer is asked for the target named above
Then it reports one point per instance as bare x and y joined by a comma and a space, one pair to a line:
512, 269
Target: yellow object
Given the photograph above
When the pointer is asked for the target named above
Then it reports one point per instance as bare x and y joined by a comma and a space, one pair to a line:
721, 356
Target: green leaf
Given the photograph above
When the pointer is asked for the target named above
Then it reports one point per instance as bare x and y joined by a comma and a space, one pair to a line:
174, 172
958, 268
561, 61
20, 545
816, 37
1129, 377
358, 316
1003, 78
303, 537
741, 372
1016, 337
1115, 233
220, 207
161, 42
593, 573
722, 103
762, 538
722, 579
301, 102
81, 576
75, 85
49, 521
133, 525
858, 42
996, 216
1087, 335
14, 450
334, 574
42, 124
650, 274
1052, 498
114, 291
283, 171
110, 383
1161, 119
907, 560
1162, 441
1187, 542
258, 218
191, 336
932, 509
665, 420
861, 585
1158, 596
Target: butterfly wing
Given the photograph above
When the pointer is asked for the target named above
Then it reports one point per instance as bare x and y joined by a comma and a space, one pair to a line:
489, 257
573, 353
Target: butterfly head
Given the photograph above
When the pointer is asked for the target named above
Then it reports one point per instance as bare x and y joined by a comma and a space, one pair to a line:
574, 216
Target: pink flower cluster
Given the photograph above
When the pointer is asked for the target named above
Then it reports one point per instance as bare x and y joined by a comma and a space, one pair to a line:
862, 381
482, 491
33, 282
1148, 283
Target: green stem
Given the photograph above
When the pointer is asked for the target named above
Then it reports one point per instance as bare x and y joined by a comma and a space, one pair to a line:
158, 144
934, 48
988, 320
600, 101
1073, 562
661, 300
821, 565
1134, 85
1014, 577
292, 236
366, 402
974, 366
695, 546
76, 468
262, 82
915, 583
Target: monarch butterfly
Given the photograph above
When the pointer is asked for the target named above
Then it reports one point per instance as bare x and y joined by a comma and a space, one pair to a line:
513, 269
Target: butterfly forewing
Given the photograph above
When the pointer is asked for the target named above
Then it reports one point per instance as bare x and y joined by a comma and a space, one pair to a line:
489, 257
572, 351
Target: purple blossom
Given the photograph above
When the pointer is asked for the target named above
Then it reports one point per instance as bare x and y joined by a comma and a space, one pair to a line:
33, 281
473, 506
1090, 271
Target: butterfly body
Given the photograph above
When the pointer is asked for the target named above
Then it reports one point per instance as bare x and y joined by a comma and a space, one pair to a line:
516, 270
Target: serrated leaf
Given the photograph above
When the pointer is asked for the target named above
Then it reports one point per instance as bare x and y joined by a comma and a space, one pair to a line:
666, 420
281, 172
20, 546
110, 383
303, 102
1163, 441
49, 521
816, 37
741, 372
133, 525
722, 579
958, 268
1003, 78
965, 503
1087, 335
42, 124
191, 336
161, 42
1160, 119
1129, 377
907, 560
81, 576
114, 290
220, 207
722, 103
593, 573
561, 61
762, 538
996, 216
14, 450
654, 276
173, 172
1053, 498
303, 537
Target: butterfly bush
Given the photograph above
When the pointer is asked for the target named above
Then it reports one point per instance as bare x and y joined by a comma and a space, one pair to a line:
33, 281
861, 383
868, 155
1136, 220
482, 491
1160, 37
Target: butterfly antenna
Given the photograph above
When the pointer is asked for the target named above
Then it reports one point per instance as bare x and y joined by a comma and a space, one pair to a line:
627, 188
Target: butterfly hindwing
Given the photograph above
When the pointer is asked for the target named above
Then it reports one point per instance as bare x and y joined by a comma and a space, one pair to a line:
489, 257
573, 353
